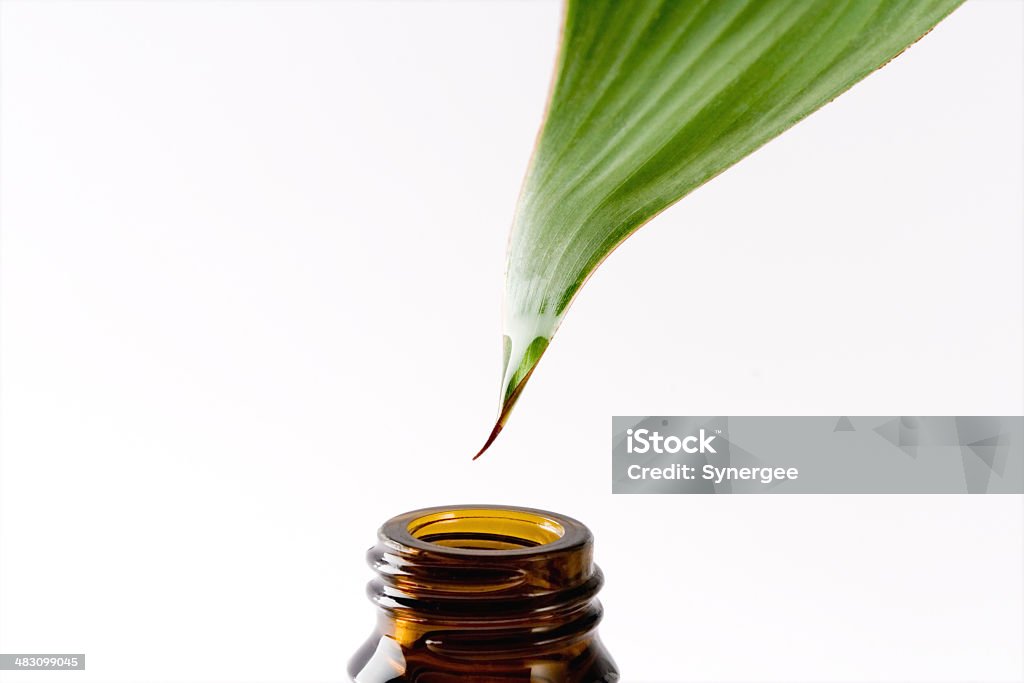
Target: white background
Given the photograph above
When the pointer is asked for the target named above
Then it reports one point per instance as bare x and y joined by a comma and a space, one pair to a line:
251, 273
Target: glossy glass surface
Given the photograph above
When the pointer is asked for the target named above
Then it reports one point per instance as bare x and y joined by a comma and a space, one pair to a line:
479, 593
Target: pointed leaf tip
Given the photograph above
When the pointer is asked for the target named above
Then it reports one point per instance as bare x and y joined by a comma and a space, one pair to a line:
490, 439
512, 396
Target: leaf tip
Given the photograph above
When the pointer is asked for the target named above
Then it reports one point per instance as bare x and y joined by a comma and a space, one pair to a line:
490, 439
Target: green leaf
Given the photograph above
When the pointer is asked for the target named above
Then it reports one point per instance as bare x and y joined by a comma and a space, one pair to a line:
653, 98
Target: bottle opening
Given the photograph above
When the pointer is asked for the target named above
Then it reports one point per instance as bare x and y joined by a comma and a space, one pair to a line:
486, 529
475, 592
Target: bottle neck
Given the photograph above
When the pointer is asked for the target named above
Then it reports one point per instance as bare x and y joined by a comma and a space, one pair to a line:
464, 581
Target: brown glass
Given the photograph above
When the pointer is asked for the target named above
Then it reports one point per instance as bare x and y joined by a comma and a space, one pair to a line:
476, 593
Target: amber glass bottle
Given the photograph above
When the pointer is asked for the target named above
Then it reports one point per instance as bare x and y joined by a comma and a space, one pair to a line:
477, 593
